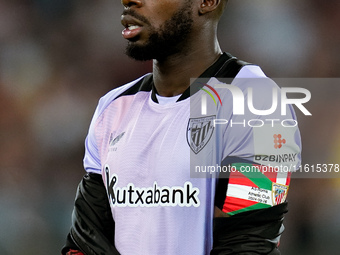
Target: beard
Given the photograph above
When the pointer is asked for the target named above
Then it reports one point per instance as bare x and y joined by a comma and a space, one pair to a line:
169, 39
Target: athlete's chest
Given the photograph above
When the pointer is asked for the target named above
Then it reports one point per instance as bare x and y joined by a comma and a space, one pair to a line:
146, 142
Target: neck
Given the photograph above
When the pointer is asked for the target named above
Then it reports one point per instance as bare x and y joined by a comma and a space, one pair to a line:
172, 75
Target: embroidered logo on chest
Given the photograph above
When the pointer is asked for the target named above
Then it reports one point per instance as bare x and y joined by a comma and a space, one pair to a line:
114, 140
199, 132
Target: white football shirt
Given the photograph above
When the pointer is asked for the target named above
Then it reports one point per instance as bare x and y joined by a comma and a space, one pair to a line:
149, 149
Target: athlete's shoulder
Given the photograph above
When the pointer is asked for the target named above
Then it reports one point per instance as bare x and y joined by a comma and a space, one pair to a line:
249, 71
243, 75
105, 100
229, 66
251, 76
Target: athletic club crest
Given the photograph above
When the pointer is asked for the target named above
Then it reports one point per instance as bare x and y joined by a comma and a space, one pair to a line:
199, 132
279, 193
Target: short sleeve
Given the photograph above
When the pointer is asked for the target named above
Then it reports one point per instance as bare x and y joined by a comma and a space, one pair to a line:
91, 158
261, 147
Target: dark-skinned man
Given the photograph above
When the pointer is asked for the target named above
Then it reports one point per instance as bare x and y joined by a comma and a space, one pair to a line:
171, 170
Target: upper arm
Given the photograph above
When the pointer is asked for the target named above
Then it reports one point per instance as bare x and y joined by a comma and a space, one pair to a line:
260, 151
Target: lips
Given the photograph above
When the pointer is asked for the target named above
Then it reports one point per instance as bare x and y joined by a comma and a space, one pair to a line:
133, 26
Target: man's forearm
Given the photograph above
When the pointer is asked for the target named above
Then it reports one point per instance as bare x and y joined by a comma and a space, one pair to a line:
252, 232
92, 230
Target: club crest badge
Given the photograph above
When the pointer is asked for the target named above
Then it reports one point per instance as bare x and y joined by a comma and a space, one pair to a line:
279, 193
199, 132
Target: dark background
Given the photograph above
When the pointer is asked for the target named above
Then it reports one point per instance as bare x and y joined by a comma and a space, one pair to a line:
57, 57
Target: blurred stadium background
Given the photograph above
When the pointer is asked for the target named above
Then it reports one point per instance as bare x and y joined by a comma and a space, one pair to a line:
57, 57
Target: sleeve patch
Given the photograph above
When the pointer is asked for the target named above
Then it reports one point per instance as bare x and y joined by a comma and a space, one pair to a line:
253, 186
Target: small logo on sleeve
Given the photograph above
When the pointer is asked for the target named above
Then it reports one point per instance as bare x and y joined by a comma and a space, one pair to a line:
279, 193
278, 141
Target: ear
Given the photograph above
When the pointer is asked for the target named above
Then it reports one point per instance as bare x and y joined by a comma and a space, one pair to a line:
207, 6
